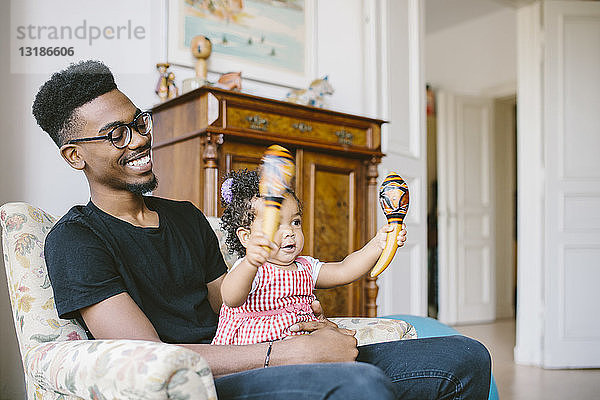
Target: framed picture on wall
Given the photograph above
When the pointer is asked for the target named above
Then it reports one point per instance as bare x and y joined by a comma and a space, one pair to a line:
272, 41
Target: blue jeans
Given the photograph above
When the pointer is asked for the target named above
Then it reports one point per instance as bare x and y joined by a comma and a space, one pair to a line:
450, 367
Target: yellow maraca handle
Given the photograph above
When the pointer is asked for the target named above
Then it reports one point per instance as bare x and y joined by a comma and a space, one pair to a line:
271, 214
391, 244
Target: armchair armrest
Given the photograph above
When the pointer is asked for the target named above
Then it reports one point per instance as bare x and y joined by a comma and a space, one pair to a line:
133, 369
377, 330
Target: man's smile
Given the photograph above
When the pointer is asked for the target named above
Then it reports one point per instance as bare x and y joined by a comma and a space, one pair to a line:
140, 163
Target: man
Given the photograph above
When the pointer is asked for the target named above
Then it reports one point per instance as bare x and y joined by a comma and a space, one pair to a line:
129, 266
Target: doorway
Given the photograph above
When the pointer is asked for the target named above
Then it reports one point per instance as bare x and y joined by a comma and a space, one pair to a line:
505, 171
476, 242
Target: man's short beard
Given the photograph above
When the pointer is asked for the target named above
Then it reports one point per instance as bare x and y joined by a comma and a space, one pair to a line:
143, 188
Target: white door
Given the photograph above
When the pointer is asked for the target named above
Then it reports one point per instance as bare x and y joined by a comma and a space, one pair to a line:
466, 220
401, 94
572, 183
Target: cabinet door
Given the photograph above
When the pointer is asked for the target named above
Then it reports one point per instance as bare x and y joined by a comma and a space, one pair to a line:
333, 191
235, 155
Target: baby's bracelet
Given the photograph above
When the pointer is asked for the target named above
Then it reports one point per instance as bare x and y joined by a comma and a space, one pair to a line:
268, 356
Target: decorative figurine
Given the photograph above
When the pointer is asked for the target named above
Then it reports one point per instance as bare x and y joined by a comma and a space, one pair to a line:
393, 197
276, 172
230, 81
201, 48
314, 95
162, 86
172, 90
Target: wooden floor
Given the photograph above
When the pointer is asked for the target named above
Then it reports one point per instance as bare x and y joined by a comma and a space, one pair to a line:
529, 383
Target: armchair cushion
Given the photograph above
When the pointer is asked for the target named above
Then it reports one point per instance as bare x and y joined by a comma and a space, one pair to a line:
121, 369
229, 258
377, 330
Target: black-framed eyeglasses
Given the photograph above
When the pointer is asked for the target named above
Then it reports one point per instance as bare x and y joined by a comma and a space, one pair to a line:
121, 134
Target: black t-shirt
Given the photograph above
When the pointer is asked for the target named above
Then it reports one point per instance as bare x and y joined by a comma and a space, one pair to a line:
92, 256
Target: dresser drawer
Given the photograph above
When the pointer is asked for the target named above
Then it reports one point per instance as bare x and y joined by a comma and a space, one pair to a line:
313, 130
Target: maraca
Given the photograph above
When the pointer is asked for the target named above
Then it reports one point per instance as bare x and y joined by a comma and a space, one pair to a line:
276, 173
393, 197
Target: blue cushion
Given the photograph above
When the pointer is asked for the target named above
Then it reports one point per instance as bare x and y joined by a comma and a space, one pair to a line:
429, 327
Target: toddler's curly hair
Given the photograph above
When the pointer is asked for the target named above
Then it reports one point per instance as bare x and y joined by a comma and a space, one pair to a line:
237, 203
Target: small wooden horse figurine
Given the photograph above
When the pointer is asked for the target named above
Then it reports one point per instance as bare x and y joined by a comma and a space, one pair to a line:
313, 96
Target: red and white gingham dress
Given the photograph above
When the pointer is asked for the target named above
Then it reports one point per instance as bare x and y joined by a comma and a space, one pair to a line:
281, 299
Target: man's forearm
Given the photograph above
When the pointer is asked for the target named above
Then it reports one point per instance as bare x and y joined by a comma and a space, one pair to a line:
229, 359
325, 344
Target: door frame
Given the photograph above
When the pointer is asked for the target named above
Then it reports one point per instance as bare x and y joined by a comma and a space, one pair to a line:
530, 175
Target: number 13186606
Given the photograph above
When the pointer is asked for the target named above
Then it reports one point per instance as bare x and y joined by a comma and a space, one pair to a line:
46, 51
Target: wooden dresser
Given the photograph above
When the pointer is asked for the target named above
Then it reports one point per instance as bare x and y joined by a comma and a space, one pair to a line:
203, 134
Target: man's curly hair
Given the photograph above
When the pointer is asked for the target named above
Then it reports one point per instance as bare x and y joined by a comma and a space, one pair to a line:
55, 105
238, 212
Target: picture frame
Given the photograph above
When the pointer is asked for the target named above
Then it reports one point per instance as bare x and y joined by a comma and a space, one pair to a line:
272, 41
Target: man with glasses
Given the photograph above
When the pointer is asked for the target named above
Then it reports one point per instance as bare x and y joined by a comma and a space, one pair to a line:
132, 266
119, 134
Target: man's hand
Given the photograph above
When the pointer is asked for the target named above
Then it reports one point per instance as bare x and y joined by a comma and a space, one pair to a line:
327, 344
324, 343
312, 326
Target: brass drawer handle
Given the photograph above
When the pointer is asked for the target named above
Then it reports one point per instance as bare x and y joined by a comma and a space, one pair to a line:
344, 137
257, 122
302, 127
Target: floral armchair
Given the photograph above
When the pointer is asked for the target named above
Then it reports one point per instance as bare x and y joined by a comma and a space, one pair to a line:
60, 365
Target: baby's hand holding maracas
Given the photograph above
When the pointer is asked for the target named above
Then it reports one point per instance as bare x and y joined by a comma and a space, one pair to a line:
382, 235
258, 249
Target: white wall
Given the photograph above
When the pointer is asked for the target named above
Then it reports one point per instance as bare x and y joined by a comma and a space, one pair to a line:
32, 171
477, 57
337, 39
11, 188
